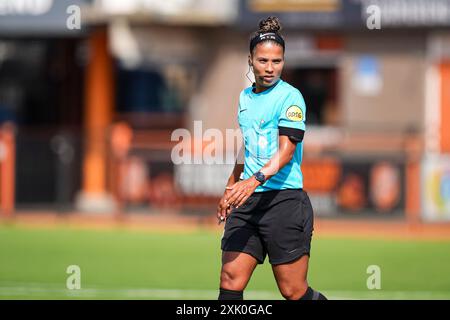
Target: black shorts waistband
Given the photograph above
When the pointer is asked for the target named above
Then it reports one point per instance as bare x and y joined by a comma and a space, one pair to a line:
272, 193
278, 190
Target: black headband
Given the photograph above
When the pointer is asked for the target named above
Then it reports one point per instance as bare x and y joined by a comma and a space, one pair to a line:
266, 36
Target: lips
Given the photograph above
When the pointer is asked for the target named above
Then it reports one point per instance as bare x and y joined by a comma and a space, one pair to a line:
269, 78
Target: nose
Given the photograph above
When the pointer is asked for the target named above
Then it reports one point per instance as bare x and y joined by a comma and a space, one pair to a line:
269, 67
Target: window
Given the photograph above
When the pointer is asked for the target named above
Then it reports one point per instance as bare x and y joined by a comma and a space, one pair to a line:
318, 87
148, 90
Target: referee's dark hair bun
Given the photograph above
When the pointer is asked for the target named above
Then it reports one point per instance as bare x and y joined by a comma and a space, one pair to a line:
271, 24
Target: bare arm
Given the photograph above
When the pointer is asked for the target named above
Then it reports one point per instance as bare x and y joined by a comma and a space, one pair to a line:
238, 168
223, 209
244, 189
282, 157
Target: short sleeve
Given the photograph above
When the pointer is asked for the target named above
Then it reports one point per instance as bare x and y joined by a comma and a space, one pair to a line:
293, 116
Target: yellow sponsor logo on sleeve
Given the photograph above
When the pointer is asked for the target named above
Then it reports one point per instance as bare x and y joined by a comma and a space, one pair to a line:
294, 113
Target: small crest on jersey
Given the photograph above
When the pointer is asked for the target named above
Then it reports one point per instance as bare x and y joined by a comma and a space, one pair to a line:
294, 113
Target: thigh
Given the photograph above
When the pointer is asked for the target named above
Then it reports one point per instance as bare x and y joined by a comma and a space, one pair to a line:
291, 272
291, 277
237, 269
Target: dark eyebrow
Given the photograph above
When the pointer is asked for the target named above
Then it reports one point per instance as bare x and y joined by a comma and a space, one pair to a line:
263, 58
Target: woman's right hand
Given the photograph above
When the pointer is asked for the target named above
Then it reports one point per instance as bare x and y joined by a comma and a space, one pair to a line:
224, 209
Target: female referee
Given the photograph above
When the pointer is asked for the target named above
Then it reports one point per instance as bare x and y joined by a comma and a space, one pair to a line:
268, 212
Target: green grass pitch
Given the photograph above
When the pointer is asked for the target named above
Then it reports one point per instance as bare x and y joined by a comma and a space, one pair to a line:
124, 264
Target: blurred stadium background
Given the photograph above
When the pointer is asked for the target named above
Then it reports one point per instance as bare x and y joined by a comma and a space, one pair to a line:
87, 115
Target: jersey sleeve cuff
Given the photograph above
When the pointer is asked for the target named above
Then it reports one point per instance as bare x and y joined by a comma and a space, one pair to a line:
294, 134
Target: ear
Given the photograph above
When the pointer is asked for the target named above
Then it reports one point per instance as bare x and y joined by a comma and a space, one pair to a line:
250, 61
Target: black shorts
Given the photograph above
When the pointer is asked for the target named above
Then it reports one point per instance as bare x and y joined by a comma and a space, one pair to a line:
278, 223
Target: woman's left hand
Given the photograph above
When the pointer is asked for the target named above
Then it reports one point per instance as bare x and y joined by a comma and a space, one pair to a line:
241, 191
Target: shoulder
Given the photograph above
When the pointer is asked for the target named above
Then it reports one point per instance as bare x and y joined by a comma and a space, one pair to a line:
292, 95
245, 92
245, 96
243, 99
289, 90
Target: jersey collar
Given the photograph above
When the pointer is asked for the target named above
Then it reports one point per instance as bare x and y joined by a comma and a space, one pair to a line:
265, 91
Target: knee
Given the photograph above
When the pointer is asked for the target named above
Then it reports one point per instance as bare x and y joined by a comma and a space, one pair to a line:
231, 280
293, 292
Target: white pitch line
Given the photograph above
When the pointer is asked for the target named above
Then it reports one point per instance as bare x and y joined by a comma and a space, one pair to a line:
127, 293
36, 290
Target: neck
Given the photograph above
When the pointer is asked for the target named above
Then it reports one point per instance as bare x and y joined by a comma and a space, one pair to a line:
259, 88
